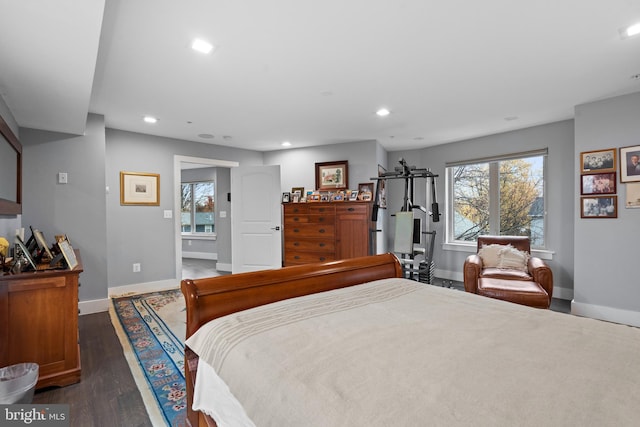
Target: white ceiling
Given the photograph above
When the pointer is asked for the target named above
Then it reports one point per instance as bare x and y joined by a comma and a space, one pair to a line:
313, 72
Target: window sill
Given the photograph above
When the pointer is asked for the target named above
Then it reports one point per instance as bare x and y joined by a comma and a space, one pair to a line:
190, 236
472, 248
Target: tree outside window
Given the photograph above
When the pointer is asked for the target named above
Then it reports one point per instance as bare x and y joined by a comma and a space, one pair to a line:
501, 197
198, 208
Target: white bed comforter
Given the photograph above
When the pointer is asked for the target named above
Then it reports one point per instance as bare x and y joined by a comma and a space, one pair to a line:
400, 353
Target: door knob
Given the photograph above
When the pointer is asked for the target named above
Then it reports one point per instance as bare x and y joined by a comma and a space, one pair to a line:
277, 228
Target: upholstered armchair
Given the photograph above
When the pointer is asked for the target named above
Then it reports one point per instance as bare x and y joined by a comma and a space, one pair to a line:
503, 268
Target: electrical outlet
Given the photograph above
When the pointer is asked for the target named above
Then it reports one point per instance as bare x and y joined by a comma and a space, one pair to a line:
136, 267
62, 178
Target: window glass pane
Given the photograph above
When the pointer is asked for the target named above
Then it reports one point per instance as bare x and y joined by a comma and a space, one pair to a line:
522, 198
470, 201
503, 197
204, 206
185, 208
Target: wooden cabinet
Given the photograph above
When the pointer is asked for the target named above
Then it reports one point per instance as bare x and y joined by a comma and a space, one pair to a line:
320, 232
39, 323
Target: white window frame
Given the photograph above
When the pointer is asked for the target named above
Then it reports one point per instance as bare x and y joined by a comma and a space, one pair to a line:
494, 204
202, 234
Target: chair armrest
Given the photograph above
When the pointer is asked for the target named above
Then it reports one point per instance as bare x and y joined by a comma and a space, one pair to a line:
471, 272
542, 274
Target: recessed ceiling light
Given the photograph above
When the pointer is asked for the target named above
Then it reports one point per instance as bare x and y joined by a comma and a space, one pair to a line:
201, 46
383, 112
150, 119
205, 135
630, 31
286, 144
511, 118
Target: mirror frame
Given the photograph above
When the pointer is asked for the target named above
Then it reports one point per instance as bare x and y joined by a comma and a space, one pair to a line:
9, 207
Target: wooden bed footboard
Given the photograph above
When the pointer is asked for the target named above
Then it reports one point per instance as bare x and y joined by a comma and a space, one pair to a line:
210, 298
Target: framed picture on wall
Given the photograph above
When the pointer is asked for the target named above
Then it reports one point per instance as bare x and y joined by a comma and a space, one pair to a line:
599, 207
633, 195
598, 183
332, 175
598, 161
630, 164
139, 188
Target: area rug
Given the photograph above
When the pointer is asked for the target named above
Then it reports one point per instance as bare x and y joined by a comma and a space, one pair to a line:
151, 328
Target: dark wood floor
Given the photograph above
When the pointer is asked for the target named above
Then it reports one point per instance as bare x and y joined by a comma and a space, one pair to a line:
107, 395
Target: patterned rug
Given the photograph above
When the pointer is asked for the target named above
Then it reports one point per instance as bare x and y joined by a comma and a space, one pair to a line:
151, 328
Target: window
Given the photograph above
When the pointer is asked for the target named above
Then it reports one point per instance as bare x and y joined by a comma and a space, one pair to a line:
501, 196
198, 208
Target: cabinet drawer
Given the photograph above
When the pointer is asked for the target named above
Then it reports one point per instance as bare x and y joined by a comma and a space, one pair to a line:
309, 219
321, 209
315, 245
295, 208
296, 231
352, 208
307, 257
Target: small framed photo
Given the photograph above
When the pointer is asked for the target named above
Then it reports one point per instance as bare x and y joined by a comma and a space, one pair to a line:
324, 197
23, 252
365, 187
353, 195
598, 183
598, 161
138, 188
295, 197
332, 175
299, 190
599, 207
630, 164
367, 196
337, 197
314, 197
69, 254
286, 197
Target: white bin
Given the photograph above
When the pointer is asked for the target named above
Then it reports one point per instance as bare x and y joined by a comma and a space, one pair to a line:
18, 382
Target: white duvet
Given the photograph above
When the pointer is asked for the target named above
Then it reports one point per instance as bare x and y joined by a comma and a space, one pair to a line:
401, 353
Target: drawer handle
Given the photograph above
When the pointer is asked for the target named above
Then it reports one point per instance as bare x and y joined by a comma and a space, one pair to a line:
321, 245
351, 209
321, 209
321, 230
322, 258
296, 243
321, 219
296, 218
295, 230
296, 257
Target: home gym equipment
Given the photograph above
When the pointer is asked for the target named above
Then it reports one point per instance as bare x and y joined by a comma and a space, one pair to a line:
416, 256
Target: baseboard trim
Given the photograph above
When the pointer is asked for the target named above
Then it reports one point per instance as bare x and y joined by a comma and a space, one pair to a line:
93, 306
558, 291
223, 266
609, 314
200, 255
100, 305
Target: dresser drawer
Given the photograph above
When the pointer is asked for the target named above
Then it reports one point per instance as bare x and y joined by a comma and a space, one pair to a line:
294, 258
295, 231
321, 209
310, 219
352, 208
313, 245
295, 208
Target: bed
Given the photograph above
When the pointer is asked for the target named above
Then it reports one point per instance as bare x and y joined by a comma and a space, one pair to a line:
350, 343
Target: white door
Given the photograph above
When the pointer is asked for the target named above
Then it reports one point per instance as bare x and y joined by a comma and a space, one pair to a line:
256, 228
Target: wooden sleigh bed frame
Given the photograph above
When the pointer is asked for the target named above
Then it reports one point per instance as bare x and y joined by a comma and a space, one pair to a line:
210, 298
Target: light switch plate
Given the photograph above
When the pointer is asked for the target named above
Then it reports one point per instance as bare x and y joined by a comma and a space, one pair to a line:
62, 178
168, 214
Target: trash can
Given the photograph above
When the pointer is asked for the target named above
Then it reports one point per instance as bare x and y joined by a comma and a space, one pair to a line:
18, 382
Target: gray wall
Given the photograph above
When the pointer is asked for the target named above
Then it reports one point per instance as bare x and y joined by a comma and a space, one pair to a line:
557, 137
76, 209
141, 233
606, 260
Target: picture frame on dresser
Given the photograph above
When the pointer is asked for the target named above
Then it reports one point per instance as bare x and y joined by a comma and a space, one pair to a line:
69, 255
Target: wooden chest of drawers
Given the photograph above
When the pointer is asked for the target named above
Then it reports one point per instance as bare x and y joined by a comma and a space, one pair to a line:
320, 232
